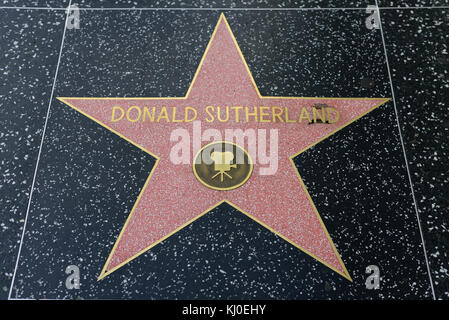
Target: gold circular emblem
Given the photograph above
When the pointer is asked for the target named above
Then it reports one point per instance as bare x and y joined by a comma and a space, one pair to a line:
222, 165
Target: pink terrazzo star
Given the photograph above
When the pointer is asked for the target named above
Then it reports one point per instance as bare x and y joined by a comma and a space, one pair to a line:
172, 197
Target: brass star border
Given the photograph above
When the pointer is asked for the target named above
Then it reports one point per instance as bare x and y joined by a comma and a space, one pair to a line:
106, 272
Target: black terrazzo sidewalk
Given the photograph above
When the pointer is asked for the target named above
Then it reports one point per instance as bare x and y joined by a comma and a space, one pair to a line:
88, 178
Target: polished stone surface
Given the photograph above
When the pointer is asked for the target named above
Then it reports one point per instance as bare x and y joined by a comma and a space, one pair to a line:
413, 3
417, 45
30, 42
36, 3
89, 178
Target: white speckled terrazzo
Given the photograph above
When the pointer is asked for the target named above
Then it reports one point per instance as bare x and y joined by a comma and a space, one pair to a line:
89, 178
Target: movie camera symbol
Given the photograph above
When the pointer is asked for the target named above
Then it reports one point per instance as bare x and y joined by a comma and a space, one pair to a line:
222, 163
